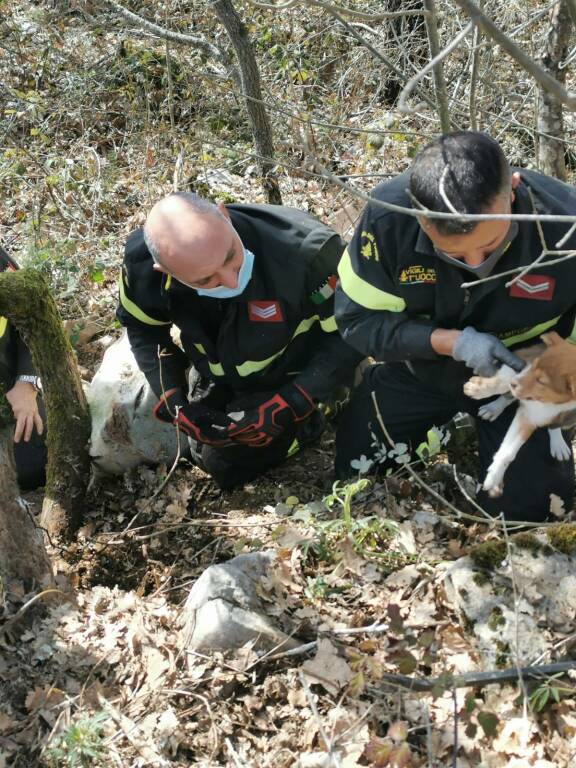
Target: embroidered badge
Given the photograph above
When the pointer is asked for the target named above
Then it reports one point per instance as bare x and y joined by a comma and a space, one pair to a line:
265, 312
416, 274
326, 290
368, 247
540, 287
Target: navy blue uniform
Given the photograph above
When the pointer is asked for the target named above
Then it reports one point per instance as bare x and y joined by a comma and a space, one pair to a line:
394, 292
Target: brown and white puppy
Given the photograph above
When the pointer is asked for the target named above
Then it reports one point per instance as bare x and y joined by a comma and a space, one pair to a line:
546, 391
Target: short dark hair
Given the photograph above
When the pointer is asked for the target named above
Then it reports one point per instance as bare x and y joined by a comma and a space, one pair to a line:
474, 171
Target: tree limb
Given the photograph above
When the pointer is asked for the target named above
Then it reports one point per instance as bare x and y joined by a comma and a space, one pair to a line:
499, 676
545, 80
212, 51
339, 9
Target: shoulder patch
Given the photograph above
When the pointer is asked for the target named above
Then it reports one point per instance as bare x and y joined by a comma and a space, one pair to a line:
325, 291
368, 247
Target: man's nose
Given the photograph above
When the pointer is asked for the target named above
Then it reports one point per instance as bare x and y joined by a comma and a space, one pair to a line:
229, 277
474, 259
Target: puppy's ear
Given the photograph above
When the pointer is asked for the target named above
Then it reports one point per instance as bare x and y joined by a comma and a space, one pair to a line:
552, 338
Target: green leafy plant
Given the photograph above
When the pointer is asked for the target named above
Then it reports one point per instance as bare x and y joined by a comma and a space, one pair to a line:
369, 535
80, 745
548, 692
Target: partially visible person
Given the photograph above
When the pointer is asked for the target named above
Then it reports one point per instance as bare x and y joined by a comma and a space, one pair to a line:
251, 288
21, 385
408, 297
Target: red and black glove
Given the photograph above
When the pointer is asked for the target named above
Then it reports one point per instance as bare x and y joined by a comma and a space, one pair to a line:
261, 425
194, 419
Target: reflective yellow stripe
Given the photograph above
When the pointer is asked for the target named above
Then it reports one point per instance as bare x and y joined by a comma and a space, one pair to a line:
329, 324
294, 448
135, 311
215, 368
253, 366
363, 293
168, 282
530, 333
3, 325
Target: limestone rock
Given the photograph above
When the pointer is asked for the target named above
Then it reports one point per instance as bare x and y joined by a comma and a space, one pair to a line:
484, 599
223, 610
124, 431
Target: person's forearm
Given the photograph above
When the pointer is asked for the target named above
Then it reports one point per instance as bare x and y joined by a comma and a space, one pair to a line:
442, 341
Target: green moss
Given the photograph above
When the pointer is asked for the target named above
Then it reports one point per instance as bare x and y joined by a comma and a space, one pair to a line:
480, 578
496, 618
489, 555
503, 658
467, 624
527, 541
563, 537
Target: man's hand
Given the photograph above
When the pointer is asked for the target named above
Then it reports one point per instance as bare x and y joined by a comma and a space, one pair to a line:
204, 424
259, 426
194, 419
22, 398
484, 353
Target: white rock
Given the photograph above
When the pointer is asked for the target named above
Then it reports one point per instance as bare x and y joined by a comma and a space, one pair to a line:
546, 599
124, 431
223, 610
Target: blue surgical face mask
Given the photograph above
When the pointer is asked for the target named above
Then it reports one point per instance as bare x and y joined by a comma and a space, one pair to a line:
244, 275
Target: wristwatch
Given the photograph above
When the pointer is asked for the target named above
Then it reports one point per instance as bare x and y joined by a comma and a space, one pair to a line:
29, 379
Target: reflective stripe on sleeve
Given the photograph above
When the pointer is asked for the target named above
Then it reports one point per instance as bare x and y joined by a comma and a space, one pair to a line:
364, 293
135, 311
530, 333
3, 326
215, 368
254, 366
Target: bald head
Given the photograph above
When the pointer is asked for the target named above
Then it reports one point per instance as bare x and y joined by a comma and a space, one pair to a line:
193, 240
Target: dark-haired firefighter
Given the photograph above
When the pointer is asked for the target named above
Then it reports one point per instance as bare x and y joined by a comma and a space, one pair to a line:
403, 301
251, 288
19, 382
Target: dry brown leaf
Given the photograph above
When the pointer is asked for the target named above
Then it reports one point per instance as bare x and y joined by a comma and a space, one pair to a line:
327, 668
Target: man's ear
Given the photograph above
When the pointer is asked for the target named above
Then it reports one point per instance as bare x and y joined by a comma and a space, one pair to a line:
223, 210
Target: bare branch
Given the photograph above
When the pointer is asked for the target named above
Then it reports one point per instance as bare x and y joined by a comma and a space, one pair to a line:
470, 679
166, 34
439, 80
545, 80
339, 9
411, 84
380, 56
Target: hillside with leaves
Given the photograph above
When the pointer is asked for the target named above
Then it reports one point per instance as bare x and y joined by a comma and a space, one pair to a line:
104, 112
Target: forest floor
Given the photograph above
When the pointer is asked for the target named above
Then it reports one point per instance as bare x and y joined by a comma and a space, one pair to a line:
99, 677
96, 676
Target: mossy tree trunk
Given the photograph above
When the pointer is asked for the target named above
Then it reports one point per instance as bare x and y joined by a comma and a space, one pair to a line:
26, 301
22, 553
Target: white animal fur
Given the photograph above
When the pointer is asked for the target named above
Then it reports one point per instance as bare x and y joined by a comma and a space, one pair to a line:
530, 415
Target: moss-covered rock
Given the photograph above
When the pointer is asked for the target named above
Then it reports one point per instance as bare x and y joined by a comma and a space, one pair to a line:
496, 618
563, 537
527, 541
489, 554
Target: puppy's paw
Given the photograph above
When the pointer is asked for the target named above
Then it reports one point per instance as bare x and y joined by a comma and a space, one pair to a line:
494, 482
491, 411
478, 387
559, 449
